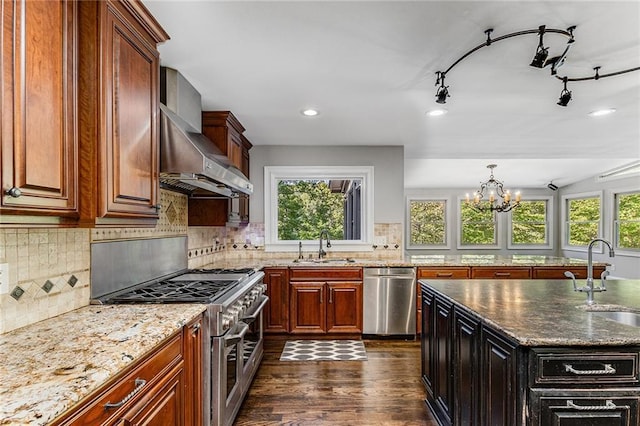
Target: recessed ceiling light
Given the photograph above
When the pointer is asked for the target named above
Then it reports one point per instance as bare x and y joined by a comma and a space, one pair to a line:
601, 112
436, 112
310, 112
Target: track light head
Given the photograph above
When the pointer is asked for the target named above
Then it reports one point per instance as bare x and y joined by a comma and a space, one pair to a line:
541, 52
442, 94
552, 187
540, 57
565, 95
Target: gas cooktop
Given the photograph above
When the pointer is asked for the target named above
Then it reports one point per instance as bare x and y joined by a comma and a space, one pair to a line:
193, 286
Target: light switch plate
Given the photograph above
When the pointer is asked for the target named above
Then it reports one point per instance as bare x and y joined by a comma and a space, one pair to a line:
4, 278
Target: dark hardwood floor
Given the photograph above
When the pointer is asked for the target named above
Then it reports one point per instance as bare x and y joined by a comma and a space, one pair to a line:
384, 390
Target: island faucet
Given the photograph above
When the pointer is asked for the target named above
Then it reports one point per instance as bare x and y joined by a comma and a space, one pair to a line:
590, 258
322, 253
589, 288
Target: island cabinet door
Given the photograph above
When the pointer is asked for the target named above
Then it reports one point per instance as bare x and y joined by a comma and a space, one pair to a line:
498, 380
466, 362
593, 408
443, 371
426, 342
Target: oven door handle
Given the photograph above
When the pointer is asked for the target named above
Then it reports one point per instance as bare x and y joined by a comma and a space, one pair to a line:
235, 338
251, 318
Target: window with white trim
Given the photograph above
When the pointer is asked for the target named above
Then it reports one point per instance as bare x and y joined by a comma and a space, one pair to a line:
300, 202
582, 218
529, 224
427, 223
627, 221
478, 229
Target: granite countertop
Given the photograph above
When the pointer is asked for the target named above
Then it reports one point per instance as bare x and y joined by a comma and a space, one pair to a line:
490, 260
547, 312
47, 367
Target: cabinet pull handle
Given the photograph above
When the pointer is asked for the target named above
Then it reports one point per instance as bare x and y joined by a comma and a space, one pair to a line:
608, 405
502, 274
157, 207
608, 369
321, 291
13, 192
195, 329
139, 385
444, 274
330, 295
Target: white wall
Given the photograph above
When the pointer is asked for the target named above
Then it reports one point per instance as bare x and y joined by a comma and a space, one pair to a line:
388, 163
626, 265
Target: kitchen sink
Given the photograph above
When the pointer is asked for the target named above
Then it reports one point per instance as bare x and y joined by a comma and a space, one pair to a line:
344, 260
627, 318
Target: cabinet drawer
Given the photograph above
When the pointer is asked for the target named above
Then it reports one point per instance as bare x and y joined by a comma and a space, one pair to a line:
573, 407
325, 274
557, 273
129, 387
500, 273
443, 273
577, 369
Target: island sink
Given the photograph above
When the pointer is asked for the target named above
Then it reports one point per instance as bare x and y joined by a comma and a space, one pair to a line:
627, 318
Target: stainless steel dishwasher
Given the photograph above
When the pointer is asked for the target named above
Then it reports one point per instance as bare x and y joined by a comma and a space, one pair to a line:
389, 301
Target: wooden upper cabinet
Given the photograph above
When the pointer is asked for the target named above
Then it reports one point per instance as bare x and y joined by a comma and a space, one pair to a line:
119, 114
224, 129
39, 147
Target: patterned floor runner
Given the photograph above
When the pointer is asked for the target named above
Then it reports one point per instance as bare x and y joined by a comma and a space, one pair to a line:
324, 350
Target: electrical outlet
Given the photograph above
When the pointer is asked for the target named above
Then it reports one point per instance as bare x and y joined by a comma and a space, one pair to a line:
4, 278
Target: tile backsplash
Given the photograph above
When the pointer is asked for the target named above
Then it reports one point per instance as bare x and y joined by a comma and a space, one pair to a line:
48, 274
49, 269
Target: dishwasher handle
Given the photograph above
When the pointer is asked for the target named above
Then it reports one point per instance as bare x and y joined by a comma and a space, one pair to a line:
401, 277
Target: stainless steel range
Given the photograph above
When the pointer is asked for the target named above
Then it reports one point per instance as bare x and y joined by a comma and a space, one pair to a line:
233, 326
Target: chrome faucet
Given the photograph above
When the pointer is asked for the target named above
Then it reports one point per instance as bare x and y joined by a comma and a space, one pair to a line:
589, 288
322, 253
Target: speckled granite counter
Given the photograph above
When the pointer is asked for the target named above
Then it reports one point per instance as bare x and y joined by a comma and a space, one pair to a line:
47, 367
334, 259
547, 312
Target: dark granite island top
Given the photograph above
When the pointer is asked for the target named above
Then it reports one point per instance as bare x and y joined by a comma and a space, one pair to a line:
529, 353
547, 312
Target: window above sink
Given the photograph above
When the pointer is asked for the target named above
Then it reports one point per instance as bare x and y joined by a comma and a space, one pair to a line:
302, 201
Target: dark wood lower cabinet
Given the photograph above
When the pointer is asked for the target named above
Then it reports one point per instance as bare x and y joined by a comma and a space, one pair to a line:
498, 380
465, 369
475, 375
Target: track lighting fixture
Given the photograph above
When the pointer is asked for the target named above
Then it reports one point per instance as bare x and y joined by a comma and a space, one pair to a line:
540, 60
552, 187
443, 91
541, 52
565, 95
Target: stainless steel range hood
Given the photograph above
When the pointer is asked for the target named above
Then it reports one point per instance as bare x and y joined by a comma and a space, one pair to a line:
189, 161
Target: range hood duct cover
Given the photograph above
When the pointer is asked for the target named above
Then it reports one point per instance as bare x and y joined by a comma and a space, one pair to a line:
189, 161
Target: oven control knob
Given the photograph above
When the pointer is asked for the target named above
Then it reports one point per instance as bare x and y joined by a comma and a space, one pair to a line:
227, 321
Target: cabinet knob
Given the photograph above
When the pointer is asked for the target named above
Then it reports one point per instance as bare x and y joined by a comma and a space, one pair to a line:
157, 207
13, 192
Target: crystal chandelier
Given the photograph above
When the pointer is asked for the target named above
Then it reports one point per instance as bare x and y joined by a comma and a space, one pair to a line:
499, 199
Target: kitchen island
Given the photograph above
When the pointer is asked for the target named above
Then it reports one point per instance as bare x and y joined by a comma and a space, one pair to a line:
529, 352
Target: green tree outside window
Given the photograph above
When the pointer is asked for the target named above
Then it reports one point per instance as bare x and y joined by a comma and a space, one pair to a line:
427, 222
529, 223
628, 221
477, 228
583, 220
306, 207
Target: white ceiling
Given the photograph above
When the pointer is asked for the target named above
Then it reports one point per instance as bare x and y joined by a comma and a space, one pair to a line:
369, 67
